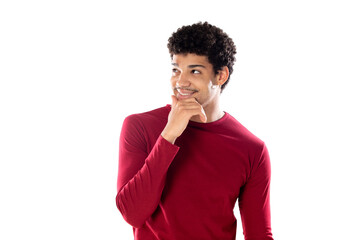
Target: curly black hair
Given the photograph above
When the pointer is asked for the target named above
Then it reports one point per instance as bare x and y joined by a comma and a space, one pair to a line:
205, 39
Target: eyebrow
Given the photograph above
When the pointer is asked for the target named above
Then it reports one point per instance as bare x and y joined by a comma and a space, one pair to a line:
190, 66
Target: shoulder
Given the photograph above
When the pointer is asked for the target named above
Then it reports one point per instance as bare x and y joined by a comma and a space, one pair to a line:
244, 135
159, 114
255, 147
147, 123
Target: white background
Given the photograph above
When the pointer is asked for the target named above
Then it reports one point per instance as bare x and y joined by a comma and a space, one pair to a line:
71, 71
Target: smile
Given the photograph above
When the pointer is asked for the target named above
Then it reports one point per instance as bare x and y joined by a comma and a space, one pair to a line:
184, 93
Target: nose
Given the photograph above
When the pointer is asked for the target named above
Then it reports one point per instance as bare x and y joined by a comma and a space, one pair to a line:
183, 81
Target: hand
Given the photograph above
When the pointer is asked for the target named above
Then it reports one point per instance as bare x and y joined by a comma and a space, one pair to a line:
181, 112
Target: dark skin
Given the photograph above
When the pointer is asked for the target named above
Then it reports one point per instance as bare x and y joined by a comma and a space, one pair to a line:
196, 93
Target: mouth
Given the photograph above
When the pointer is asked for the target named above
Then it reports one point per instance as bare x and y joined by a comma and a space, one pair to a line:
185, 93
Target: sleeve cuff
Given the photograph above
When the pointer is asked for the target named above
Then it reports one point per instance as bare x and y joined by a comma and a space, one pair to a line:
164, 152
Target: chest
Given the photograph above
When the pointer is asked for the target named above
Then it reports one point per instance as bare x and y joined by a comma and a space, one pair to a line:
211, 164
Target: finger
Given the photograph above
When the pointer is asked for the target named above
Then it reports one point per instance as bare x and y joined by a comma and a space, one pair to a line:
174, 100
188, 105
203, 115
199, 112
193, 105
192, 99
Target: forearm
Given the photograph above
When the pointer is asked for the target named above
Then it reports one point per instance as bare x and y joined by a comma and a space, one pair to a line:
138, 198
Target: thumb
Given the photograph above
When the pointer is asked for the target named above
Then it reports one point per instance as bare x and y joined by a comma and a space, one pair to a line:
174, 100
203, 115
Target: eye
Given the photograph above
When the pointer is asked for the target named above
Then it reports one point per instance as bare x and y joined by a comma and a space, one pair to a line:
175, 71
195, 71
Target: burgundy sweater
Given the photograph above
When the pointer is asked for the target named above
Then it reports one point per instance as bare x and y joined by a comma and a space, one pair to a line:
187, 191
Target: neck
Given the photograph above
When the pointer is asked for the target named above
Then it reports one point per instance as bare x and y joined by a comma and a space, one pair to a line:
213, 112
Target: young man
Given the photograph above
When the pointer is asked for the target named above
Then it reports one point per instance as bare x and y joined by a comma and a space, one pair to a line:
182, 167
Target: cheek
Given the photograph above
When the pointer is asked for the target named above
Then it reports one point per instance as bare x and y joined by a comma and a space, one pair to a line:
173, 83
209, 85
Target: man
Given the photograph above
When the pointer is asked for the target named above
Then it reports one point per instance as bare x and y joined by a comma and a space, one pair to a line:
182, 167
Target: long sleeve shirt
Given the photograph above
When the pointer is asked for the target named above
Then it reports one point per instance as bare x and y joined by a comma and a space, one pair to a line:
188, 190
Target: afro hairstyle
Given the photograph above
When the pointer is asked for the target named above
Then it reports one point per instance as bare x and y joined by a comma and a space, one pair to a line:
204, 39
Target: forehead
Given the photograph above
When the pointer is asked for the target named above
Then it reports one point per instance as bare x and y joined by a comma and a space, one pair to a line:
183, 60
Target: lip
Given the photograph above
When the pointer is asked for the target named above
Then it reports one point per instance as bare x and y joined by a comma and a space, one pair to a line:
183, 94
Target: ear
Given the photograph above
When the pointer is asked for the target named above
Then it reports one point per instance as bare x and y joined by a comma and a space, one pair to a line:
223, 75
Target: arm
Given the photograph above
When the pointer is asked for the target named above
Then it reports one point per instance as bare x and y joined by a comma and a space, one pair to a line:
141, 176
254, 200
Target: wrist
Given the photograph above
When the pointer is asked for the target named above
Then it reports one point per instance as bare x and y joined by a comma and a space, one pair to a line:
171, 139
